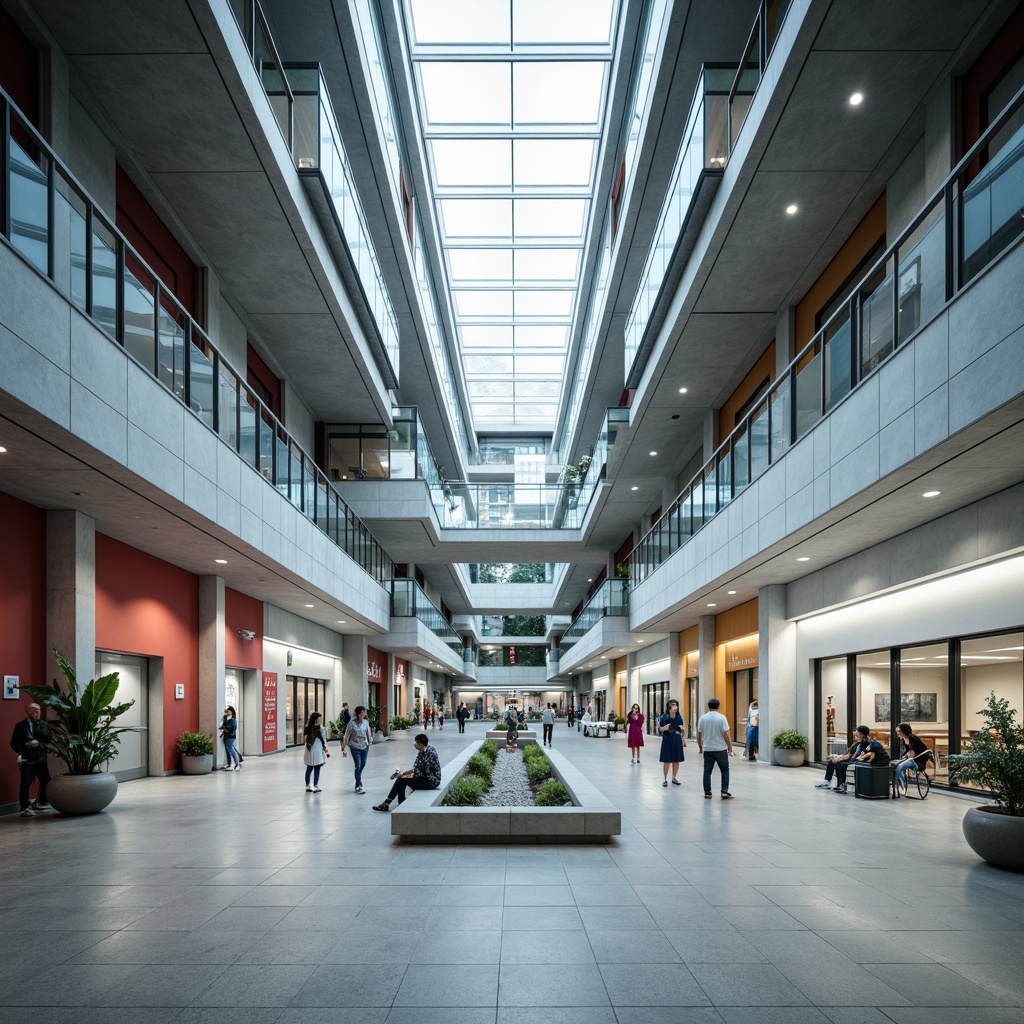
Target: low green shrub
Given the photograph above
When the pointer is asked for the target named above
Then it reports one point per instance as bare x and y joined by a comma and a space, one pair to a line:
790, 739
490, 750
532, 750
538, 769
551, 794
398, 722
480, 765
465, 792
194, 744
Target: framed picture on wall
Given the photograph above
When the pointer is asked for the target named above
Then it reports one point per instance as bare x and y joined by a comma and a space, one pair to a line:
914, 707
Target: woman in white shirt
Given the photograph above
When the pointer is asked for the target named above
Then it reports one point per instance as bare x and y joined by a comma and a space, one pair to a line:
315, 755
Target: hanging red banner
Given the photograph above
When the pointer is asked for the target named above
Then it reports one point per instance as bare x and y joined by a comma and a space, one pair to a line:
269, 712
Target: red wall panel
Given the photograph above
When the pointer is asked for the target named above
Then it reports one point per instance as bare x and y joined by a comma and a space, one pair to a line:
19, 69
148, 607
22, 619
242, 612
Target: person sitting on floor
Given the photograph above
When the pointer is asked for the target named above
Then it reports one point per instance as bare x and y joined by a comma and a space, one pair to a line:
424, 774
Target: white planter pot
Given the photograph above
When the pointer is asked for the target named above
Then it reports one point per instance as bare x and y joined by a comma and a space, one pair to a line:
789, 758
198, 764
81, 794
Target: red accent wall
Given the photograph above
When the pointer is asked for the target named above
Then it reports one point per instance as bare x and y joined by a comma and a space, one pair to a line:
139, 223
997, 56
19, 70
261, 379
22, 618
242, 612
148, 607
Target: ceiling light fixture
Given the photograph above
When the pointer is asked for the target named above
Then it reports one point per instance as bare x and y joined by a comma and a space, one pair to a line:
931, 494
804, 558
307, 606
634, 488
856, 99
730, 591
2, 449
221, 561
683, 391
711, 604
341, 622
653, 453
791, 209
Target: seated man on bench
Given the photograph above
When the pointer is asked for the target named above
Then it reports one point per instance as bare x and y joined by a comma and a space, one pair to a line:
839, 763
591, 726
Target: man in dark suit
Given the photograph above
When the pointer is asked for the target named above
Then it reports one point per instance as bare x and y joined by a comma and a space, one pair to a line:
27, 742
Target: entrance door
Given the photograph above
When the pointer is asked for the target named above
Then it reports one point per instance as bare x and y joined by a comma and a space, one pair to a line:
132, 760
744, 690
233, 679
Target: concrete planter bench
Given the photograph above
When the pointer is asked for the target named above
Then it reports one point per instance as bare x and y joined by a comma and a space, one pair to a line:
525, 735
422, 819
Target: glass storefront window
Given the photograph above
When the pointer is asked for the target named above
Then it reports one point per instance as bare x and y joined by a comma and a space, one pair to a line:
924, 697
991, 664
872, 690
835, 726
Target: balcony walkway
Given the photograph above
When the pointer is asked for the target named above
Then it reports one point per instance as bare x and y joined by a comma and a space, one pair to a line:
239, 897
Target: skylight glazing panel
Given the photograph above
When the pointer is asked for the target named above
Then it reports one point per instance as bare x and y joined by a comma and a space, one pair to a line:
558, 92
476, 218
550, 218
549, 163
482, 303
486, 336
532, 365
466, 93
468, 265
459, 21
486, 412
488, 389
534, 389
545, 336
488, 366
565, 22
554, 265
472, 163
544, 303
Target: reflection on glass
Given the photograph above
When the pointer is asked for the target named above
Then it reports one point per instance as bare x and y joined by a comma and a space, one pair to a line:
104, 277
835, 726
69, 236
171, 322
201, 378
872, 695
875, 322
139, 327
30, 232
924, 699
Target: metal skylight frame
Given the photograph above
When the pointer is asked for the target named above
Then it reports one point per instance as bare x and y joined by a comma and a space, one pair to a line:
495, 137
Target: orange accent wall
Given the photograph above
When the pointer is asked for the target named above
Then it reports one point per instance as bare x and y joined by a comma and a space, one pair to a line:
764, 367
689, 639
242, 612
738, 621
23, 622
856, 247
149, 607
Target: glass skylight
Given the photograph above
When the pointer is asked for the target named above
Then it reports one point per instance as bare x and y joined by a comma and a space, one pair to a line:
512, 98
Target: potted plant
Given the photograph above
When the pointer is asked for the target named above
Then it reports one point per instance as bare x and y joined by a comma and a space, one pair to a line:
398, 723
83, 735
790, 748
375, 716
196, 752
583, 466
994, 760
570, 480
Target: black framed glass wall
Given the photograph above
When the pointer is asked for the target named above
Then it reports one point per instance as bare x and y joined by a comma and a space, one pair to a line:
302, 696
653, 698
937, 687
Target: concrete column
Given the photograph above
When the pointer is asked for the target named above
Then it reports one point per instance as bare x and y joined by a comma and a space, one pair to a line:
71, 592
706, 656
776, 667
710, 434
211, 657
785, 339
353, 671
676, 670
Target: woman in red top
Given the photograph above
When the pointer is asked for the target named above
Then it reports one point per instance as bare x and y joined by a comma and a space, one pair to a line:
635, 733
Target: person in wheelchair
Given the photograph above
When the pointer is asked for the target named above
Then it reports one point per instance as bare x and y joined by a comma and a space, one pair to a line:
913, 754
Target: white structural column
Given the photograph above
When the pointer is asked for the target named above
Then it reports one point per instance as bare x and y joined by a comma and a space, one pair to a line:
71, 592
353, 671
706, 655
776, 667
211, 657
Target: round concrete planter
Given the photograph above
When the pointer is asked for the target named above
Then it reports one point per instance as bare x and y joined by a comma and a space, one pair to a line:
995, 837
81, 794
789, 758
196, 764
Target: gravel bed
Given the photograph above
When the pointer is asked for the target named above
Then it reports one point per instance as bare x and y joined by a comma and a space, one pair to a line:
510, 786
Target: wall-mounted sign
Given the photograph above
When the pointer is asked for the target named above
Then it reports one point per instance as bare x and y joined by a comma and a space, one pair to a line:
179, 691
11, 684
741, 653
376, 665
269, 712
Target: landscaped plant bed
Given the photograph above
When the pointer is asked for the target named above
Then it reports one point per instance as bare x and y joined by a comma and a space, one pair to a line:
591, 819
525, 735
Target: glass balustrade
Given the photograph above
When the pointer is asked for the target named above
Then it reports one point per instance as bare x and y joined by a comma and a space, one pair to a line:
409, 600
611, 598
909, 284
62, 234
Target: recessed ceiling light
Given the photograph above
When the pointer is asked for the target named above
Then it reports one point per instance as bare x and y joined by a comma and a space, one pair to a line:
931, 494
307, 606
590, 580
2, 449
730, 591
634, 488
682, 391
604, 657
711, 604
791, 209
653, 453
639, 641
856, 99
341, 622
804, 558
221, 561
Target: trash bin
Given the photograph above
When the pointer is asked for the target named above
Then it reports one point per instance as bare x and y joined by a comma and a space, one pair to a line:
871, 783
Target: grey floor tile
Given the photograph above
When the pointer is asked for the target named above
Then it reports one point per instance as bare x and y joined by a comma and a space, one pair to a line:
331, 1015
286, 947
453, 985
571, 985
797, 947
539, 896
933, 985
865, 947
462, 918
163, 985
556, 1015
541, 919
747, 985
1001, 979
952, 948
668, 1015
714, 947
620, 919
605, 895
784, 1015
275, 896
346, 985
632, 947
838, 982
80, 985
470, 895
652, 985
251, 985
553, 947
441, 1015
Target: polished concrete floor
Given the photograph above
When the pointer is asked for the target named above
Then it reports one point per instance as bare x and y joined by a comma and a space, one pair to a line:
241, 898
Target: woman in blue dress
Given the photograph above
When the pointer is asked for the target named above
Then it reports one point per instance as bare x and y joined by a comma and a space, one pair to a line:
670, 725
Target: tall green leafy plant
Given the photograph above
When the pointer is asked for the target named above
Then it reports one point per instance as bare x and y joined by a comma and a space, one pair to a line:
82, 731
994, 759
375, 716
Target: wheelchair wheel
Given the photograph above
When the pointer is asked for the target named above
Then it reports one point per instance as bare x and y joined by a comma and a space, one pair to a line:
924, 784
